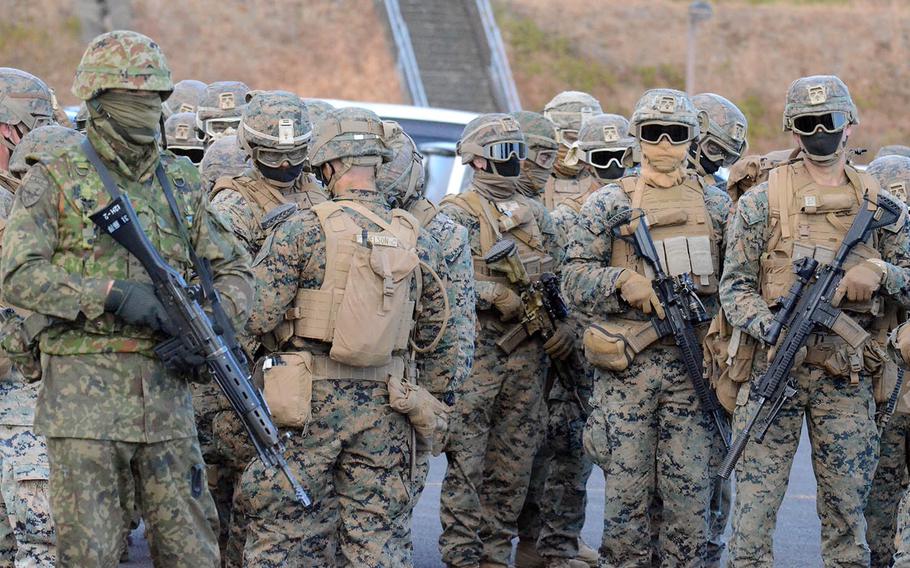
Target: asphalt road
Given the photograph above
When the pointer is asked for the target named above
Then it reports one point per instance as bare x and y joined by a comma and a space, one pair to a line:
796, 541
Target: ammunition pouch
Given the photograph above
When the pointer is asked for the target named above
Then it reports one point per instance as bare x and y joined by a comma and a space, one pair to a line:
728, 354
883, 388
613, 345
839, 360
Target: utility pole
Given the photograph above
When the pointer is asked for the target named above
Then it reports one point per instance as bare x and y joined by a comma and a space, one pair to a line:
699, 11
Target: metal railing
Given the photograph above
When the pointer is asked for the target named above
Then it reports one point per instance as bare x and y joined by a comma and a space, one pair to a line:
500, 72
407, 61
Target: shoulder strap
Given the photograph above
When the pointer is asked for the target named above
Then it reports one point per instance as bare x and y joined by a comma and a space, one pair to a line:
424, 210
780, 192
474, 204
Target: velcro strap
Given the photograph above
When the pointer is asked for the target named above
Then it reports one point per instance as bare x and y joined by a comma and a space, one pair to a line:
325, 369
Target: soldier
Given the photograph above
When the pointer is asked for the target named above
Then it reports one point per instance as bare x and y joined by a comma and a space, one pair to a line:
275, 131
656, 439
775, 221
900, 340
568, 110
500, 414
891, 475
219, 109
114, 416
185, 98
723, 137
402, 181
180, 135
540, 134
350, 368
26, 527
223, 158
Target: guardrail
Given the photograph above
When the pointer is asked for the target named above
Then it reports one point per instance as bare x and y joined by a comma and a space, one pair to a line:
407, 61
500, 72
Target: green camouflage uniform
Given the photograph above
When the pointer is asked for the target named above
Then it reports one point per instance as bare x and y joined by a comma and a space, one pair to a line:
355, 454
113, 416
500, 412
840, 415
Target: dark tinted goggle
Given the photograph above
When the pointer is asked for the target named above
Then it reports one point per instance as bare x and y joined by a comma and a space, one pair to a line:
718, 153
194, 154
830, 122
675, 133
543, 157
502, 151
274, 158
604, 158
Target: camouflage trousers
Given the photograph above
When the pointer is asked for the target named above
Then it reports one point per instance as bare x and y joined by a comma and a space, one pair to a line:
891, 479
844, 439
354, 461
91, 496
902, 539
27, 536
648, 435
496, 429
400, 546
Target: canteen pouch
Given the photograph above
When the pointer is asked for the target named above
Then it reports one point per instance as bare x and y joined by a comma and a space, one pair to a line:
288, 387
613, 345
728, 354
883, 388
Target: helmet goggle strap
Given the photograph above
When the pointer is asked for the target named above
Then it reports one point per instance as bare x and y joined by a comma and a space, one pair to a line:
412, 191
503, 151
543, 157
218, 127
606, 157
830, 122
285, 134
673, 132
274, 158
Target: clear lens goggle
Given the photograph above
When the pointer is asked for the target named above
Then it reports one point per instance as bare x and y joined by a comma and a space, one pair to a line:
607, 157
543, 157
217, 127
274, 158
830, 122
566, 137
502, 151
715, 151
674, 133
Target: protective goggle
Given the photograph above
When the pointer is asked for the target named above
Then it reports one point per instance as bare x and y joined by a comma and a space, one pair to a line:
566, 137
502, 151
716, 152
218, 127
675, 133
543, 157
830, 122
607, 157
274, 158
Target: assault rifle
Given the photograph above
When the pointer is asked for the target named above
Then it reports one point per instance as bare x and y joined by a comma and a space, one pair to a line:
684, 311
218, 344
807, 309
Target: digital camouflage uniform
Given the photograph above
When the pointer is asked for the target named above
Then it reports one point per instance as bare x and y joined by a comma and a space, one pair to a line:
442, 373
114, 418
838, 408
500, 413
223, 158
645, 429
355, 453
184, 98
245, 201
26, 527
891, 475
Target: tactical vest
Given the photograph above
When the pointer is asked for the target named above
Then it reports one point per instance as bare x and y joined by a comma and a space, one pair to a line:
576, 202
84, 250
681, 227
807, 219
423, 210
492, 218
365, 330
558, 190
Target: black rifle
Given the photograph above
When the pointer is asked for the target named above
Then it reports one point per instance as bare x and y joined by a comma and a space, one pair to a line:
683, 310
807, 309
218, 344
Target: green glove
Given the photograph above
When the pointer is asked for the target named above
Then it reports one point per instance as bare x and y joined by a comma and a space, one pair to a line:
135, 303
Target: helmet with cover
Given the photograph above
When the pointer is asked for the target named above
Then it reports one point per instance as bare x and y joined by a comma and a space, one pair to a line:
540, 135
351, 133
819, 109
893, 150
605, 145
723, 132
401, 179
492, 136
42, 140
275, 128
664, 114
220, 108
223, 157
25, 100
185, 97
568, 110
180, 135
893, 174
122, 60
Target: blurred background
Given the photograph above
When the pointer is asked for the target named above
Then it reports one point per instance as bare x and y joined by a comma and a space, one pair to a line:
746, 50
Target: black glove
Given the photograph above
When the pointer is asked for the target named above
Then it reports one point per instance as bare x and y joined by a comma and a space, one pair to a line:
135, 303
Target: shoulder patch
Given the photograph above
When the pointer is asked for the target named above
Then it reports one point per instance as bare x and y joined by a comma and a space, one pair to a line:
32, 188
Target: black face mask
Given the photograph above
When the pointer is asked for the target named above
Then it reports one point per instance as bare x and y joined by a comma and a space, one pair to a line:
822, 143
709, 166
510, 168
194, 154
612, 172
281, 175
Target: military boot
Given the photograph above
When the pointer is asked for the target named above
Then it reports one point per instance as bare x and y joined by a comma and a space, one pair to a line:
587, 554
565, 563
527, 557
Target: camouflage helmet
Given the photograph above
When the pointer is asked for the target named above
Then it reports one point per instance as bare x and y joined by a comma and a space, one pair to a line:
893, 174
220, 107
317, 109
893, 150
223, 157
24, 99
722, 121
600, 135
487, 130
401, 179
42, 140
185, 97
818, 94
350, 132
539, 131
122, 60
664, 106
275, 120
180, 135
82, 117
568, 109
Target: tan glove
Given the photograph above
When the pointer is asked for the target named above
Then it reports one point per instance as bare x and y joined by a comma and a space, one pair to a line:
902, 342
428, 415
507, 302
859, 283
637, 291
561, 343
